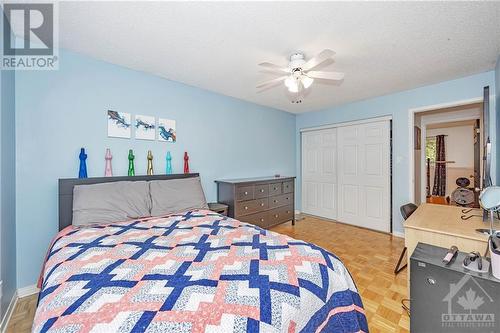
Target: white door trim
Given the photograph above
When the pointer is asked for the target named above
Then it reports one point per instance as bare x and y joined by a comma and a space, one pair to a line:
346, 123
411, 124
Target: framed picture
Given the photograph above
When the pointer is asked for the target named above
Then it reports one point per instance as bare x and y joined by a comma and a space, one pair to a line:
119, 125
416, 138
145, 127
166, 130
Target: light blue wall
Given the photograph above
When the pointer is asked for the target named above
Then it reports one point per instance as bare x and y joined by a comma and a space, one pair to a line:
60, 111
7, 186
497, 94
397, 106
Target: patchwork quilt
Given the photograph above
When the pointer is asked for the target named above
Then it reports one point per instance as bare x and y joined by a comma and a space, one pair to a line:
195, 271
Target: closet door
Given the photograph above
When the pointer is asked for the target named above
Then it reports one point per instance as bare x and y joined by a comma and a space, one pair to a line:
319, 173
363, 175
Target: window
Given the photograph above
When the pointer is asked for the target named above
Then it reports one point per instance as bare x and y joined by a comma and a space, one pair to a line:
430, 148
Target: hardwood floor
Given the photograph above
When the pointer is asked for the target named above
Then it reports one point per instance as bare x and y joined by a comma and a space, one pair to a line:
22, 317
370, 257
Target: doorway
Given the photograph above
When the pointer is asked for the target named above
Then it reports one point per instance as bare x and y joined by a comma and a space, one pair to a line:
447, 155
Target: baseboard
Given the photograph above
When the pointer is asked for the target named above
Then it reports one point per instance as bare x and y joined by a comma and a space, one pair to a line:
27, 291
8, 313
398, 234
297, 212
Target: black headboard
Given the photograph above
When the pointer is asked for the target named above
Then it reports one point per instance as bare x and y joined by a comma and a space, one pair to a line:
66, 191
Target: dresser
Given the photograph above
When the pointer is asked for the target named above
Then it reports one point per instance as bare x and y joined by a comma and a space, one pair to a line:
263, 201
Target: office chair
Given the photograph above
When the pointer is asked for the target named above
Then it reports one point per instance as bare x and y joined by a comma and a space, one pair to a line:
406, 211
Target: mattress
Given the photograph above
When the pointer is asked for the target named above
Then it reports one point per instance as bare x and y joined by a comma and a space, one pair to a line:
195, 271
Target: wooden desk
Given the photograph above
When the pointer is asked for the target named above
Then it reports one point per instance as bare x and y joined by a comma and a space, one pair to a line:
441, 225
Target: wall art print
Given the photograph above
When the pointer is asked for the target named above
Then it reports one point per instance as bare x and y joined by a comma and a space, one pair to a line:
145, 127
166, 130
119, 125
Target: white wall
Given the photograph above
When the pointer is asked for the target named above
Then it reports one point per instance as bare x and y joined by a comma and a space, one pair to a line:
459, 145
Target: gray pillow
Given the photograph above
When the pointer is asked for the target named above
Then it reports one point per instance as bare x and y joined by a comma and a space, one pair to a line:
110, 202
176, 195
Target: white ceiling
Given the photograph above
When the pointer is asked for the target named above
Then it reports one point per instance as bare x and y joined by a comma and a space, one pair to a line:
381, 47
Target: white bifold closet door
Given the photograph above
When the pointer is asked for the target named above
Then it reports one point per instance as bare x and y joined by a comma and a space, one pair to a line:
363, 175
319, 173
345, 174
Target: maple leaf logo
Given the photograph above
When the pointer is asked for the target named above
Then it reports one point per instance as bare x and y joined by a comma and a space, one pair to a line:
470, 301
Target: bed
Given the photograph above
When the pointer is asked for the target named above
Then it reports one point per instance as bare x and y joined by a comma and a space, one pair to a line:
190, 271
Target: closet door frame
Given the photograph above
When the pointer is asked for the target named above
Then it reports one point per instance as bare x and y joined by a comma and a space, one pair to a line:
349, 123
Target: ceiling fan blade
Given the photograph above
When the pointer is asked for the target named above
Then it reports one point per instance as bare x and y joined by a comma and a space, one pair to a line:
271, 83
326, 75
318, 59
274, 67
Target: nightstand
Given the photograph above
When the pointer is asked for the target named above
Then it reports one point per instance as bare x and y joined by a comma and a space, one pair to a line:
218, 208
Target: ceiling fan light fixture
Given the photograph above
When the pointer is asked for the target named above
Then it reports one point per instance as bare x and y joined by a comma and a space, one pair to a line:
306, 81
294, 89
301, 74
292, 84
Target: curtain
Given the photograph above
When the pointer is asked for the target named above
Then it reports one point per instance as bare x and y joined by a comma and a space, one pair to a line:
439, 187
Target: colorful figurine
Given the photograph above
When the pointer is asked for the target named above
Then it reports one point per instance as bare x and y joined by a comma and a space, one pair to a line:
108, 169
82, 173
131, 169
150, 163
186, 162
168, 170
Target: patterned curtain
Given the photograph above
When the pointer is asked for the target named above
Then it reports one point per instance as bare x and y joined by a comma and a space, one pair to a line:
439, 187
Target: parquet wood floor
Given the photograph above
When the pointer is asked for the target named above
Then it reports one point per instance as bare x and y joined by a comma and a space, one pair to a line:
22, 317
370, 257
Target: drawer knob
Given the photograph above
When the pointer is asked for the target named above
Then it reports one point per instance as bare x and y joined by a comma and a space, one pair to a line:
246, 207
275, 200
246, 193
262, 204
261, 190
275, 188
261, 220
276, 215
288, 212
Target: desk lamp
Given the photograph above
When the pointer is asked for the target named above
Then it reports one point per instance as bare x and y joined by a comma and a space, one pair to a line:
489, 199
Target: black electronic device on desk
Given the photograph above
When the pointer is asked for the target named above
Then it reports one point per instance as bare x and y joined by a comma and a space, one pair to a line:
449, 297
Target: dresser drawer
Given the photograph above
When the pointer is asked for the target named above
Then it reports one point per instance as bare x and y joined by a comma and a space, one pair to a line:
261, 191
280, 215
288, 187
275, 189
244, 193
251, 206
259, 219
281, 200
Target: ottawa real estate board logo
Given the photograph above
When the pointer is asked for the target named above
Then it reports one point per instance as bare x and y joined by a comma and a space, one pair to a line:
30, 36
469, 307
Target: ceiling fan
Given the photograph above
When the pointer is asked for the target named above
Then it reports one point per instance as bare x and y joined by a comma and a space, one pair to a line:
299, 76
